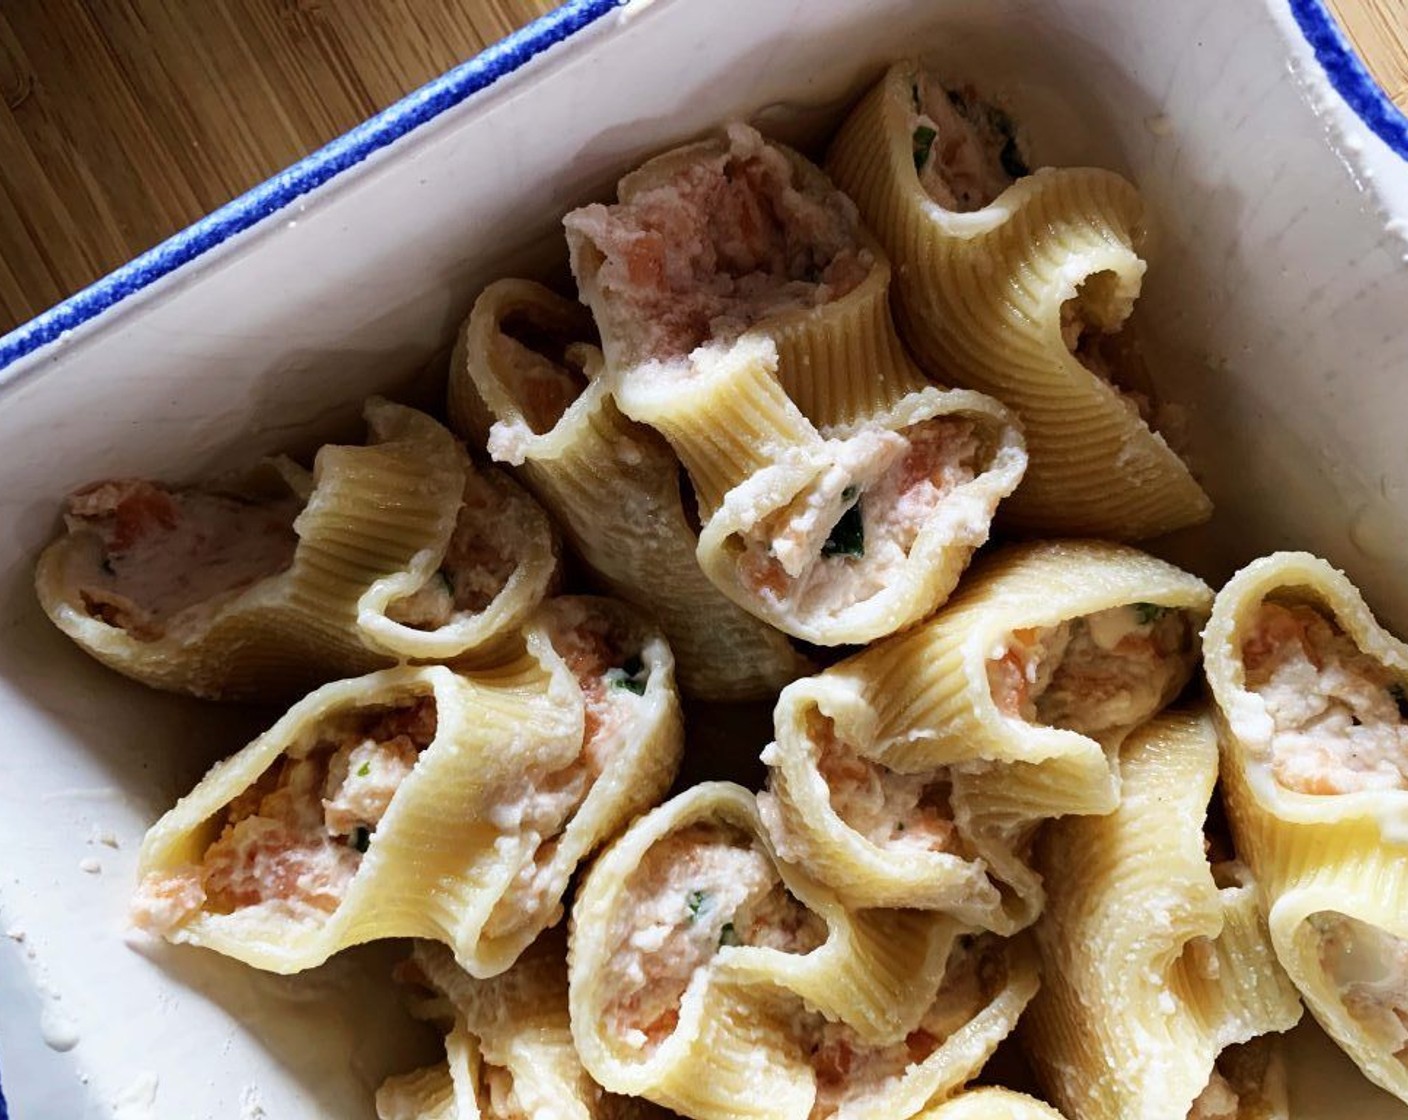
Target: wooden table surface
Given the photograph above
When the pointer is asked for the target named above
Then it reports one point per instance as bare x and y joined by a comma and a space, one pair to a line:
122, 121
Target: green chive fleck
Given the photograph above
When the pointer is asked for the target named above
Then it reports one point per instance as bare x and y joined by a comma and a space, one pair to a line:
923, 144
848, 536
361, 838
364, 769
695, 901
728, 935
1149, 612
631, 676
849, 494
899, 826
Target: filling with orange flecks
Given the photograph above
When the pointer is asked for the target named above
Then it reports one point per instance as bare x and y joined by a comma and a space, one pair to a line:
1099, 673
165, 558
293, 841
1340, 718
698, 890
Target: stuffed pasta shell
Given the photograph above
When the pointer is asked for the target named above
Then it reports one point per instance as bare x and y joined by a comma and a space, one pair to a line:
1160, 986
517, 384
423, 802
508, 1044
991, 1104
834, 522
259, 586
913, 773
1015, 284
1313, 701
711, 978
737, 236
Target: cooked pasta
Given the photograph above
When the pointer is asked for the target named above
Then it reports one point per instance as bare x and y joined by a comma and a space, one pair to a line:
1311, 696
991, 1104
712, 979
508, 1045
836, 524
912, 774
423, 802
1158, 972
1015, 283
250, 589
613, 485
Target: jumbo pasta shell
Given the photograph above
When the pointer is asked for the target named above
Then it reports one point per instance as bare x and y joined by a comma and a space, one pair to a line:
840, 358
979, 297
383, 510
1155, 961
611, 484
920, 481
474, 842
911, 727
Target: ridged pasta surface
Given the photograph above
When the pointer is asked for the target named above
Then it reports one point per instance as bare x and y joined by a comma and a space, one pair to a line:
912, 727
979, 297
1154, 961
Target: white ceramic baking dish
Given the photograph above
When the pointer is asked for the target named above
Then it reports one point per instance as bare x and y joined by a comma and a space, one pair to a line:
1278, 294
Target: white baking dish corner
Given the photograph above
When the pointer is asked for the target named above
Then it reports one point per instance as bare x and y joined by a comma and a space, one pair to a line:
1278, 292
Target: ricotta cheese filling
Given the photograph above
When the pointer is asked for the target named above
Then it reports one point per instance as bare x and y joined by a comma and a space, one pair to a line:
1370, 968
729, 239
698, 890
164, 560
1096, 673
1218, 1101
534, 362
480, 559
965, 150
904, 812
842, 540
1339, 717
292, 842
613, 679
851, 1074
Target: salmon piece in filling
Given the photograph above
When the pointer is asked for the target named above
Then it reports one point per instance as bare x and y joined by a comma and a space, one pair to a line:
901, 811
850, 1074
841, 541
480, 560
965, 150
729, 239
1370, 968
1340, 718
613, 679
294, 840
166, 558
696, 891
1094, 674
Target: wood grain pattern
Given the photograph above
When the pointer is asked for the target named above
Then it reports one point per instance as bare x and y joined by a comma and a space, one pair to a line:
122, 121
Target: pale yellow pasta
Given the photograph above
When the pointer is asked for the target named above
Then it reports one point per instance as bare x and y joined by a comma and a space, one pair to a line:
613, 485
912, 774
508, 1045
1155, 961
1313, 711
1014, 285
991, 1104
738, 235
740, 303
423, 802
253, 592
717, 981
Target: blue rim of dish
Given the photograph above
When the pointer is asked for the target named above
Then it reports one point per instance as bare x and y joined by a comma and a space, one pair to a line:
1349, 75
348, 150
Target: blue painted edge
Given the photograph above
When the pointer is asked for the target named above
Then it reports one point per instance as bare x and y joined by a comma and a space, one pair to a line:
274, 194
4, 1112
1349, 76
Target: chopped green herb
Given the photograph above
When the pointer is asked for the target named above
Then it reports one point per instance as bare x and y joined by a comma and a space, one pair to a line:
1399, 692
728, 935
361, 838
695, 901
899, 826
923, 144
364, 769
848, 536
1149, 612
631, 676
849, 494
